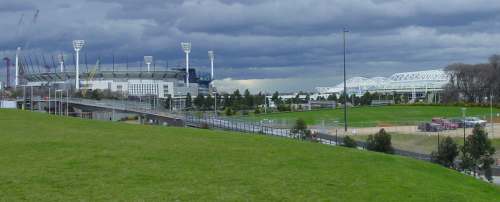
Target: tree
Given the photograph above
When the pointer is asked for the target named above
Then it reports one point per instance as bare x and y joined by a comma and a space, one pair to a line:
366, 99
446, 154
380, 142
188, 101
249, 100
349, 142
300, 128
237, 100
478, 152
199, 101
332, 97
96, 94
276, 98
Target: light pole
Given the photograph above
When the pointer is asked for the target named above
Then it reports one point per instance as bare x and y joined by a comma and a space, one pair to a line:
211, 56
186, 46
78, 45
18, 51
463, 116
345, 87
491, 113
148, 60
61, 61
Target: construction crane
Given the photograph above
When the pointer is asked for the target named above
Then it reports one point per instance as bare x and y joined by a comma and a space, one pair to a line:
91, 76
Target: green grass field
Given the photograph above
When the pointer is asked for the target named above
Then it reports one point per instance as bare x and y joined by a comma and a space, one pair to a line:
49, 158
371, 116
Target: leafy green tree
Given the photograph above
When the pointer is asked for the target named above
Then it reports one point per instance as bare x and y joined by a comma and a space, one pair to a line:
189, 101
332, 97
276, 98
209, 102
249, 100
300, 128
199, 101
366, 99
237, 100
349, 142
96, 94
380, 142
228, 111
478, 152
446, 154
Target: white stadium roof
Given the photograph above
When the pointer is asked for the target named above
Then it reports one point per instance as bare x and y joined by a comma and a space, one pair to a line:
430, 80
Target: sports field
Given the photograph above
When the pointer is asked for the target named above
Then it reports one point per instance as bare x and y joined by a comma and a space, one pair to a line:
372, 116
49, 158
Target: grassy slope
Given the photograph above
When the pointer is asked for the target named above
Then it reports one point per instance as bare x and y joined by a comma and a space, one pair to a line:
52, 158
380, 114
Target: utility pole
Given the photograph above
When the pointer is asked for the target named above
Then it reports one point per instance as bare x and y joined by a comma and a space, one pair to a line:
345, 87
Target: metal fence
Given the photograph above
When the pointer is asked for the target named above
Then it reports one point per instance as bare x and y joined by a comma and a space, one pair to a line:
206, 120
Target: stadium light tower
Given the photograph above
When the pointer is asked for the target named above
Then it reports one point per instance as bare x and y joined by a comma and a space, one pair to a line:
61, 61
16, 80
186, 46
78, 45
211, 56
148, 60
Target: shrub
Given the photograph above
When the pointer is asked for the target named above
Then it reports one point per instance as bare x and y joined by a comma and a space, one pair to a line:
446, 154
380, 142
349, 142
300, 128
257, 110
228, 111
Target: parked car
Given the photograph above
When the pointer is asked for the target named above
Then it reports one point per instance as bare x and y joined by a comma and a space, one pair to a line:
469, 122
473, 121
445, 123
430, 127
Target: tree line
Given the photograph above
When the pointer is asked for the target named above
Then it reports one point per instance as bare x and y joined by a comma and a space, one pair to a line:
473, 83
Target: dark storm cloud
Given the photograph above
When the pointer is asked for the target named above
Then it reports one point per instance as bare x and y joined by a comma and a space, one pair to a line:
259, 39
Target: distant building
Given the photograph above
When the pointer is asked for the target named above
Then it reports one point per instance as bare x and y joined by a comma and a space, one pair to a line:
415, 85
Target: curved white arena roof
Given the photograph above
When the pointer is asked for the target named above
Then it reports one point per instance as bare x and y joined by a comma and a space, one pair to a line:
398, 82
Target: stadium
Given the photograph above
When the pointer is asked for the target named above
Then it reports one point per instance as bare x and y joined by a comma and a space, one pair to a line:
143, 79
416, 85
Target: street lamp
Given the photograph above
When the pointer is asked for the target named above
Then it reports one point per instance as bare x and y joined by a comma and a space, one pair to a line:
186, 46
148, 60
211, 56
61, 61
78, 45
345, 87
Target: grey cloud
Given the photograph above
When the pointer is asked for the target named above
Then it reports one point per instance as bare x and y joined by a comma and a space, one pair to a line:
265, 39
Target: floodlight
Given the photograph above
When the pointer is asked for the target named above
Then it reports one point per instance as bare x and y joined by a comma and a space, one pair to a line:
148, 60
186, 46
18, 52
211, 56
78, 45
60, 57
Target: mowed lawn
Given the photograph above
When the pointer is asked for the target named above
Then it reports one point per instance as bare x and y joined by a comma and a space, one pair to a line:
49, 158
370, 116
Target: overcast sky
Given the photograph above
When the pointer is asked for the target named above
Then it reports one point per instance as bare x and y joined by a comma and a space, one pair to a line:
264, 45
